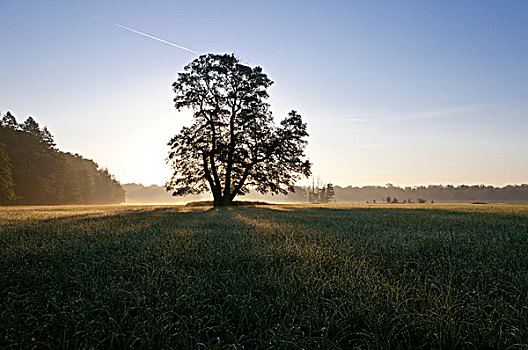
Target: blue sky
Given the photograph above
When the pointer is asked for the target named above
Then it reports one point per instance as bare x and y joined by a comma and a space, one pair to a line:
415, 92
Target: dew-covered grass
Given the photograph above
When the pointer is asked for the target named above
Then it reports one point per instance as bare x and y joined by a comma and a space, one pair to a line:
281, 276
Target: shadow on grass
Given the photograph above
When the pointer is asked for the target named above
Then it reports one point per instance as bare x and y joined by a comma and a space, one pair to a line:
265, 277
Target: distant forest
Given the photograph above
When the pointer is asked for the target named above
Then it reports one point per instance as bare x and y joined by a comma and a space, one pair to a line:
34, 171
436, 193
137, 193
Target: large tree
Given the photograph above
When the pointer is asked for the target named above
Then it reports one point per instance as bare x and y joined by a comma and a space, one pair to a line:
233, 143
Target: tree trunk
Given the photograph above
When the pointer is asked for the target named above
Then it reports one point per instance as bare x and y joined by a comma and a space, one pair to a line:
224, 201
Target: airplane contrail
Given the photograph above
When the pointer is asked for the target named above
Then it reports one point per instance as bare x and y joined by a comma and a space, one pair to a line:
145, 34
126, 28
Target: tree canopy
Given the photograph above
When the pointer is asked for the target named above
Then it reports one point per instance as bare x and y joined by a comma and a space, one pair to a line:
233, 143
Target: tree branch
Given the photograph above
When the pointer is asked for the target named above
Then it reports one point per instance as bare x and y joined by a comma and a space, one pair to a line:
242, 180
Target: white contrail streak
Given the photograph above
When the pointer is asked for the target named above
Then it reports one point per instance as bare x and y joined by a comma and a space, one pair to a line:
147, 35
127, 28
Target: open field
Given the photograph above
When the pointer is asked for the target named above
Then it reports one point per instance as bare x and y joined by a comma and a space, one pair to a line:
288, 276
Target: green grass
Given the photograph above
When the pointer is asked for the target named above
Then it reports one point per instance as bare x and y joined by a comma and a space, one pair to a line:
283, 276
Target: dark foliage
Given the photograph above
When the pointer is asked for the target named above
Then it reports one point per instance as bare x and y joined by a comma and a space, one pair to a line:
6, 176
233, 144
33, 171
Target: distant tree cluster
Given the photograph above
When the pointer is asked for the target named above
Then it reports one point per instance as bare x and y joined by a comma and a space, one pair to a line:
319, 192
432, 193
396, 200
34, 171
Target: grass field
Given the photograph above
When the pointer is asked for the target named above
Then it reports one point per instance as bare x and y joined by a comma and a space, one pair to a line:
281, 276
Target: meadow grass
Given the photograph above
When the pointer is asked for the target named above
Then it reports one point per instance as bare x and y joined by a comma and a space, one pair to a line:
281, 276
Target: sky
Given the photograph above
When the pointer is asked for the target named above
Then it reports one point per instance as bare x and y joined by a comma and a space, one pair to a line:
408, 93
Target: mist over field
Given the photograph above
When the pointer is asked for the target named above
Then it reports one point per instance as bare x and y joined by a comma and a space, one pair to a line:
137, 193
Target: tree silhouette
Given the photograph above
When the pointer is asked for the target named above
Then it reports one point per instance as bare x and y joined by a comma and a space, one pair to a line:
330, 193
9, 121
233, 143
320, 193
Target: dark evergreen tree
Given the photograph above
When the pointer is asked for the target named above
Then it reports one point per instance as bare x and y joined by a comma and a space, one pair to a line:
47, 137
9, 121
329, 193
31, 127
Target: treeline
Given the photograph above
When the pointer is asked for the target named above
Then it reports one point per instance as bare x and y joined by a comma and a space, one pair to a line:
137, 193
34, 171
436, 193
